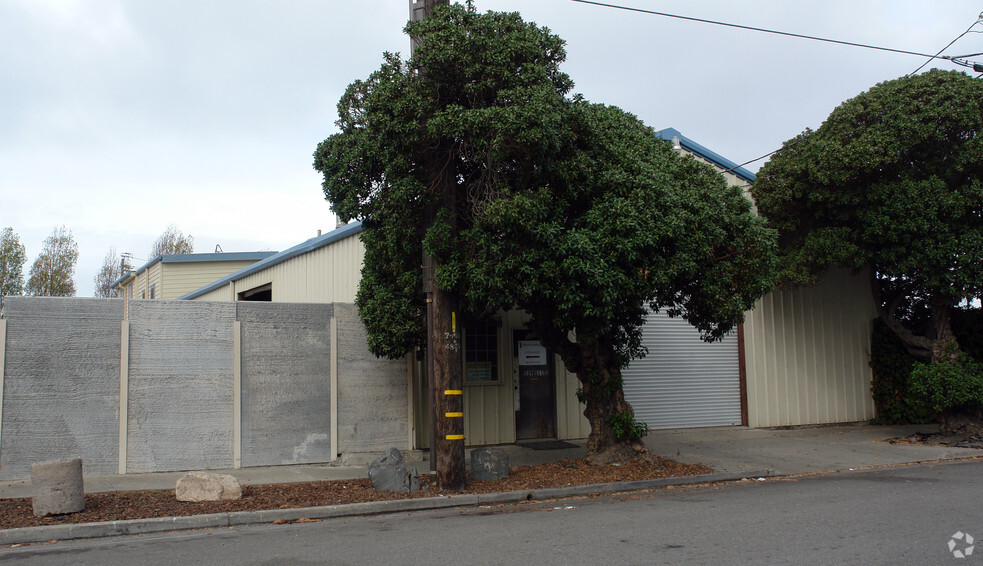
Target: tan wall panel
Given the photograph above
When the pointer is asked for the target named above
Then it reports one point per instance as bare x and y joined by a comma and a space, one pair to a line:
570, 420
183, 278
807, 352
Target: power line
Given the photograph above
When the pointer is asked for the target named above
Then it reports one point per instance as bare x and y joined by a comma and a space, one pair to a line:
960, 36
763, 30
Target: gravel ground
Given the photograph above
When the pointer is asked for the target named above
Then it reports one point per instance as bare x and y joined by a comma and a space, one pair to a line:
144, 504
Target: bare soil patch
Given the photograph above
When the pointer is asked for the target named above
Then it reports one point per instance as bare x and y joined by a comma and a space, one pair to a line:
940, 439
146, 504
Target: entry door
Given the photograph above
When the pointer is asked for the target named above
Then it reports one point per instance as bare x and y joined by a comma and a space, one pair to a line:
535, 416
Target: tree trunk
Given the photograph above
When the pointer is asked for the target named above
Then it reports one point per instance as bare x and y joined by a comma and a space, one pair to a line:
605, 396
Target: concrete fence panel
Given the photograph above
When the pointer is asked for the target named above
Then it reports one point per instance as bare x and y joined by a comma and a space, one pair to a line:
60, 383
372, 392
180, 402
285, 383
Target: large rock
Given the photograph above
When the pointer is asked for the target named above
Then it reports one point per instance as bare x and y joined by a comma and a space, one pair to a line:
205, 486
57, 487
389, 473
489, 464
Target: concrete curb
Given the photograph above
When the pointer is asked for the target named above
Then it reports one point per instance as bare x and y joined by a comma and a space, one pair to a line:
219, 520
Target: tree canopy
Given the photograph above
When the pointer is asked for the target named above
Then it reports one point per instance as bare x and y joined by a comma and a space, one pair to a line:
54, 269
893, 179
173, 242
572, 211
109, 273
12, 260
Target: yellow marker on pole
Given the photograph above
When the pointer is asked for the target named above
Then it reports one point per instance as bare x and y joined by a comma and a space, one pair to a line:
455, 437
453, 415
453, 392
454, 322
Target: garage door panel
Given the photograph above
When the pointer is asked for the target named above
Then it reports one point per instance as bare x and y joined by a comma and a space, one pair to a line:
684, 382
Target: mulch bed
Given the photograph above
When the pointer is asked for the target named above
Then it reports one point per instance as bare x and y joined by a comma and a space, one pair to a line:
939, 439
145, 504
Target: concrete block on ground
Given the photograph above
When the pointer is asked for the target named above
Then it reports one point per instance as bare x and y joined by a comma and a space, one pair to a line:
389, 473
204, 486
57, 486
489, 464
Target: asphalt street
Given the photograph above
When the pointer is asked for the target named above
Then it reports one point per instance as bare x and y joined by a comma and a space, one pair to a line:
898, 515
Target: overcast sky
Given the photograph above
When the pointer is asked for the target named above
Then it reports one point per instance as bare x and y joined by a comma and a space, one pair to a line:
121, 117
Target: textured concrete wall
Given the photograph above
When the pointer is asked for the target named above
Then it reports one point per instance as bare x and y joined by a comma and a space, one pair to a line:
180, 386
61, 383
372, 413
286, 383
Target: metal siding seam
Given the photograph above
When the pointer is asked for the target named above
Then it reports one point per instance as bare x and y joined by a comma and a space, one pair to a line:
124, 379
236, 394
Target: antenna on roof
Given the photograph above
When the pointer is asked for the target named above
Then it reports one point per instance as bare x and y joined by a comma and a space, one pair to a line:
218, 249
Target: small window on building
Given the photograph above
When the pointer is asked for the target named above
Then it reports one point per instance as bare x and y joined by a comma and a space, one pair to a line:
481, 352
261, 293
143, 294
153, 291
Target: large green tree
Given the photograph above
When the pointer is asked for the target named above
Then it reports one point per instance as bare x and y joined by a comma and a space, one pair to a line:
12, 260
892, 180
527, 198
52, 273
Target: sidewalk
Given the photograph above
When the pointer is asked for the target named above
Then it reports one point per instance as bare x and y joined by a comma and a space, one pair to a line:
725, 449
734, 452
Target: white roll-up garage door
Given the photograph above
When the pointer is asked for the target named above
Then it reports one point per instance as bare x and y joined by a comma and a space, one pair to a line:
684, 382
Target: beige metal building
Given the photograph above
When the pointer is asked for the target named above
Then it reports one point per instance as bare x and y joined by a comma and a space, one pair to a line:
800, 358
170, 276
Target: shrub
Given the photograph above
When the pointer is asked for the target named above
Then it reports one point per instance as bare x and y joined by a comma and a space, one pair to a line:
891, 387
951, 387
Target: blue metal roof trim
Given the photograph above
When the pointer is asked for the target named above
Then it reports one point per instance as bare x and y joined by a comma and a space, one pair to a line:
303, 248
221, 256
711, 156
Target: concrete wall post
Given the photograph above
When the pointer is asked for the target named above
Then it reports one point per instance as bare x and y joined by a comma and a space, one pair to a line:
237, 394
124, 387
333, 391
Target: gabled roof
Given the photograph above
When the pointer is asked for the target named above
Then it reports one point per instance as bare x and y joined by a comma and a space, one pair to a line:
195, 258
345, 231
711, 156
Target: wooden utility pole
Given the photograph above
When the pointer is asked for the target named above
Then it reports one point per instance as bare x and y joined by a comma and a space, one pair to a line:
444, 362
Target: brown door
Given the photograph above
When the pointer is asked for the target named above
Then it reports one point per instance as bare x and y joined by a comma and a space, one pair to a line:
536, 415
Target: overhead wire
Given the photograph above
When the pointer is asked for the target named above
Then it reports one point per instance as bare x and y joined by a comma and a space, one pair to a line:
752, 28
959, 60
960, 36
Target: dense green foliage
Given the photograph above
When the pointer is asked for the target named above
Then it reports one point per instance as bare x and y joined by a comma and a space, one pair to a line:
948, 387
12, 260
895, 397
890, 362
479, 102
892, 179
574, 212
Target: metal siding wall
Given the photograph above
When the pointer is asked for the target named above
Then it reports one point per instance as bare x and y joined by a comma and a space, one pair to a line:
488, 411
184, 278
807, 353
326, 275
684, 382
570, 420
